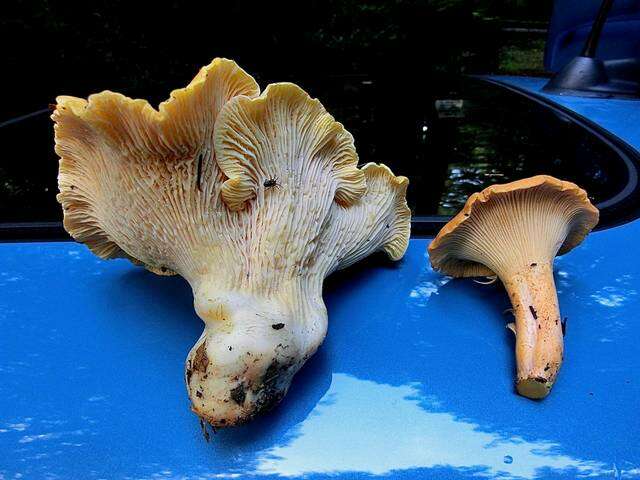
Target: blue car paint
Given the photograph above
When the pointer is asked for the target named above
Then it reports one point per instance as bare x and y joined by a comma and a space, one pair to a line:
414, 380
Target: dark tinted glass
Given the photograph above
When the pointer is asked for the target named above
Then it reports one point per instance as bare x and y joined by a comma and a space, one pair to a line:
453, 146
448, 147
391, 72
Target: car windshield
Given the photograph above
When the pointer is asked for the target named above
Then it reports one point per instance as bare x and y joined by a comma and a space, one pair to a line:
451, 134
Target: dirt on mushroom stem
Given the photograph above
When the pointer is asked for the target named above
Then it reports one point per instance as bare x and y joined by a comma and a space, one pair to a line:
539, 338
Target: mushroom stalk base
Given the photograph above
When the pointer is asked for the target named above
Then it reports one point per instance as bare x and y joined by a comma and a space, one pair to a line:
538, 328
251, 348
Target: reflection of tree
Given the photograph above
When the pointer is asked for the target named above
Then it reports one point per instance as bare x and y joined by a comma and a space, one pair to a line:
505, 137
28, 176
481, 157
378, 66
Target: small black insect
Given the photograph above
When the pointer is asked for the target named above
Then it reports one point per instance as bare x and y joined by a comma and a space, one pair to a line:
271, 183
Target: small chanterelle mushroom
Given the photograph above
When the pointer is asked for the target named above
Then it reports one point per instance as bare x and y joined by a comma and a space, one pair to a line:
253, 199
514, 231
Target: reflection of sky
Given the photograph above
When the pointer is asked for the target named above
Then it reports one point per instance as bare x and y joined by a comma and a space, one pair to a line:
428, 284
426, 288
350, 431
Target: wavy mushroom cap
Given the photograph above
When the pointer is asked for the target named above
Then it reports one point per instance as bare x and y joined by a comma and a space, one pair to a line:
502, 227
253, 199
125, 167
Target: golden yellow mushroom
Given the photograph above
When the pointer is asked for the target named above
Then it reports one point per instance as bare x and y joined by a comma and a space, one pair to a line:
515, 231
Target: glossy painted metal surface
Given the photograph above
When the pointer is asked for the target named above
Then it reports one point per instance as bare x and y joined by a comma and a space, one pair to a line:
414, 380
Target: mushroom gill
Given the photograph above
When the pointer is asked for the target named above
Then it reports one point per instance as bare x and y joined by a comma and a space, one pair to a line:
253, 199
515, 231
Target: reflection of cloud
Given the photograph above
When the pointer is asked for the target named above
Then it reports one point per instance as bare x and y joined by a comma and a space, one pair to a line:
363, 426
562, 280
18, 427
96, 398
596, 261
48, 436
613, 296
610, 300
4, 278
424, 290
33, 438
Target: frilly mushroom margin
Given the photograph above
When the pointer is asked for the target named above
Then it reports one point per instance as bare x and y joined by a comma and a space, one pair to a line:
186, 189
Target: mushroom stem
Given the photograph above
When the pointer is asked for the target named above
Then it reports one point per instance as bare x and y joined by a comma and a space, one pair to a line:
539, 339
252, 346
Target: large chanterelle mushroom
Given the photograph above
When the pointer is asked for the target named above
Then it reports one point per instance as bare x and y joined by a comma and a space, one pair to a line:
515, 231
253, 199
